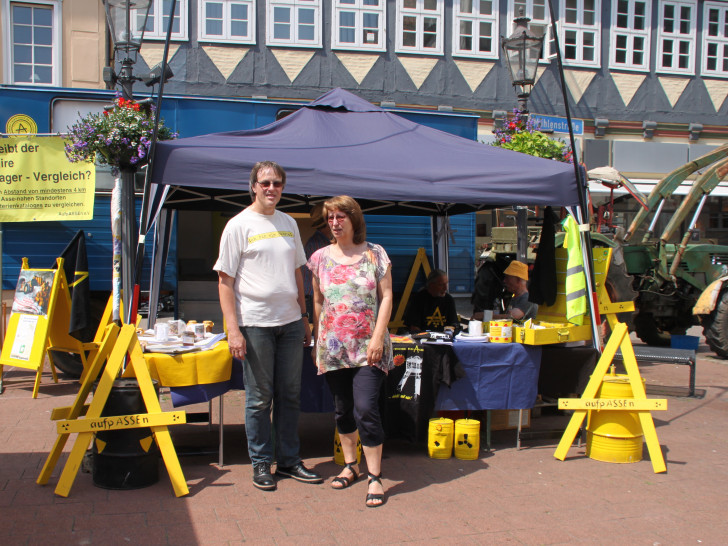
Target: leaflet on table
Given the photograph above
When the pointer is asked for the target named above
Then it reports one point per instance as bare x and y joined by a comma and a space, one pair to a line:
174, 344
209, 343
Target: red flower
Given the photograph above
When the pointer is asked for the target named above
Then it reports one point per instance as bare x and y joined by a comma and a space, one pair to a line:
340, 274
351, 326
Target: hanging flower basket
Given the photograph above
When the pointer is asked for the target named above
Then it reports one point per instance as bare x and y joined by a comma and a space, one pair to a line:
120, 137
520, 135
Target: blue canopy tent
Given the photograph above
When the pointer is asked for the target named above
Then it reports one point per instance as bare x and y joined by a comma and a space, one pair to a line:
342, 144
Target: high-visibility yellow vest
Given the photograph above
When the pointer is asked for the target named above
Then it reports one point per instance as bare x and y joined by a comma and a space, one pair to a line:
575, 277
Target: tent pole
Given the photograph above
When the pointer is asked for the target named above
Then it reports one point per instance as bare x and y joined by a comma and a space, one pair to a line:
144, 222
581, 184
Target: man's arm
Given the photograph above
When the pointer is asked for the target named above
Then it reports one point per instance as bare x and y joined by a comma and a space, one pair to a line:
412, 317
451, 314
226, 291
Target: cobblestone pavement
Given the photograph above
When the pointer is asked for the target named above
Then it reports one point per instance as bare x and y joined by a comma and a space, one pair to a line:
506, 496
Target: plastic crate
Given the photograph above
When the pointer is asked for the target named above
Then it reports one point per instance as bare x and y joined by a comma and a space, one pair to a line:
684, 342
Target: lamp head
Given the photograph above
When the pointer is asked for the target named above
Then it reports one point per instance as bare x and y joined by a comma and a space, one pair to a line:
127, 20
522, 51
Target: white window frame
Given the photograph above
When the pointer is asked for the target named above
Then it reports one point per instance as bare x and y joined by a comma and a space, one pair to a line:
549, 47
359, 9
581, 29
663, 36
57, 42
294, 6
419, 13
476, 18
159, 28
630, 34
226, 36
721, 40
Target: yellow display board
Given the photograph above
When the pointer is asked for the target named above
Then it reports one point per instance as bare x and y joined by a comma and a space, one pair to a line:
41, 312
39, 183
85, 420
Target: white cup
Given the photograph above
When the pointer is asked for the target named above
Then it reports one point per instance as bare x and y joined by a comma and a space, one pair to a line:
161, 331
487, 315
475, 328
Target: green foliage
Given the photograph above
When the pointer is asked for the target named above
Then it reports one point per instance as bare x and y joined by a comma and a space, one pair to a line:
520, 135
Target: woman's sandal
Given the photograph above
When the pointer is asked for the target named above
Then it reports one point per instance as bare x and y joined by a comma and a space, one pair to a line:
375, 496
343, 480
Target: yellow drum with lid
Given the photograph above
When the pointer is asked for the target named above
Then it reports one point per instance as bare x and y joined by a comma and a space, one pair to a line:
467, 439
501, 331
440, 438
614, 436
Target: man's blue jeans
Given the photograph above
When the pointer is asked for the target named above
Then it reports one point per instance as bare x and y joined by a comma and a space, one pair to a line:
272, 375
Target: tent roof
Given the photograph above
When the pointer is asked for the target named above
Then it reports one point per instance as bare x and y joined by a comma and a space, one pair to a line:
342, 144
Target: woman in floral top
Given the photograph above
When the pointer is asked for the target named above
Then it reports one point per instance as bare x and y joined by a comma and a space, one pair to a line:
352, 284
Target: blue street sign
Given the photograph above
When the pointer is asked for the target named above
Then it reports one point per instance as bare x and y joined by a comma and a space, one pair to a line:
557, 124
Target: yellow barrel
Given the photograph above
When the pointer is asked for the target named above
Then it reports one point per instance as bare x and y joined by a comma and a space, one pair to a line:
439, 438
339, 453
467, 439
614, 436
501, 331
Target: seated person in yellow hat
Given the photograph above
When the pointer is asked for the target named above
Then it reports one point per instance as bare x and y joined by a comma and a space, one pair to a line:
432, 308
515, 280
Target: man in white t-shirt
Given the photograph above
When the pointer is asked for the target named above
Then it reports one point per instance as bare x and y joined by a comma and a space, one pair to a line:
261, 296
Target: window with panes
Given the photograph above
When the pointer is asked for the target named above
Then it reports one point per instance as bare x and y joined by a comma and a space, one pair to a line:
294, 23
32, 43
419, 26
676, 36
715, 39
630, 35
540, 21
475, 28
358, 24
230, 21
158, 20
580, 32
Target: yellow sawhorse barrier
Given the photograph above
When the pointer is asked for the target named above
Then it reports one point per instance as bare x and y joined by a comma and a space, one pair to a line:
420, 262
639, 404
116, 344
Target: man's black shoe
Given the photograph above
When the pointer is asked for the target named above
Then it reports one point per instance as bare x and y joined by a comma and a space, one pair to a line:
300, 473
262, 478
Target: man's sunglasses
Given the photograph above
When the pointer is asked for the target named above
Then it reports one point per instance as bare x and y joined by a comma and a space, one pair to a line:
268, 183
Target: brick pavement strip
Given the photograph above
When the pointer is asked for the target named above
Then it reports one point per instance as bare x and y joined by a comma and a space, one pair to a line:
507, 496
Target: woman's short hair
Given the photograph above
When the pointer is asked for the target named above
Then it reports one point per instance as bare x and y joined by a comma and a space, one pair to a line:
351, 208
265, 165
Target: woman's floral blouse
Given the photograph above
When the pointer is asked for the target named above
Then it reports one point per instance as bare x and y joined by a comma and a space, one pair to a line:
349, 310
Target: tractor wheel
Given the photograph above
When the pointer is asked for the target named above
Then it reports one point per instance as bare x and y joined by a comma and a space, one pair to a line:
69, 363
647, 331
715, 326
619, 288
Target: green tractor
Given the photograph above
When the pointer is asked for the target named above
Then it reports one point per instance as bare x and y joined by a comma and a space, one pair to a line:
669, 279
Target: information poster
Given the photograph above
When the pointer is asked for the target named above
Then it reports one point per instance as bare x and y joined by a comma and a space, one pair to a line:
24, 336
33, 292
37, 182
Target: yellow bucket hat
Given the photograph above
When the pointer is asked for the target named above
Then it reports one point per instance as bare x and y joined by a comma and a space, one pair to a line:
517, 269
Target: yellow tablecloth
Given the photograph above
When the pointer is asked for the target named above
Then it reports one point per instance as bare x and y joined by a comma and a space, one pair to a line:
188, 369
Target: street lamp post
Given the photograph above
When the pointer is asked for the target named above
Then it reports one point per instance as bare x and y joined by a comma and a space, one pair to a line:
124, 17
522, 51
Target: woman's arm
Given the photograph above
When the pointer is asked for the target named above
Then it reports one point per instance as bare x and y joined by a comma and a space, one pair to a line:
384, 292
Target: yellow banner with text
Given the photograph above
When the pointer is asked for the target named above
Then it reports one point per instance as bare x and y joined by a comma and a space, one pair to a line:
37, 182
